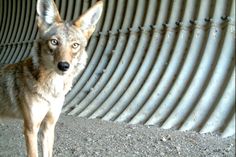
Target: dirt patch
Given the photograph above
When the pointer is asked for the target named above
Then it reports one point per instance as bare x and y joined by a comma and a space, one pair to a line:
81, 137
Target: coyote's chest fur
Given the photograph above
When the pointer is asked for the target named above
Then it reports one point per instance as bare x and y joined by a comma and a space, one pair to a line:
22, 84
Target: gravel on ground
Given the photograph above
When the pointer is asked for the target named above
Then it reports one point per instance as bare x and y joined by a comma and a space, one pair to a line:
81, 137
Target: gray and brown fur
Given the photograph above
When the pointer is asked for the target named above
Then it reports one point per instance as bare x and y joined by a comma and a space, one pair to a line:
35, 88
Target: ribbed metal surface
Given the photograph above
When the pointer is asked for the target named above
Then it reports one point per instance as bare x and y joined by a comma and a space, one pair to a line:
166, 63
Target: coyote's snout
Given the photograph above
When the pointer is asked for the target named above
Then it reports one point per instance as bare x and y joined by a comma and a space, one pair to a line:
34, 89
63, 43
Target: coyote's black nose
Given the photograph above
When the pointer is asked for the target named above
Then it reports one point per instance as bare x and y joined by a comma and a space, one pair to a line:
63, 66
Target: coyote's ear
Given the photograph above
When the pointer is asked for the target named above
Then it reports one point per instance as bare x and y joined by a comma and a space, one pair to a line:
87, 22
47, 13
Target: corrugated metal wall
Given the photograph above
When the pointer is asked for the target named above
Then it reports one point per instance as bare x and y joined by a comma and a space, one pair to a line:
169, 63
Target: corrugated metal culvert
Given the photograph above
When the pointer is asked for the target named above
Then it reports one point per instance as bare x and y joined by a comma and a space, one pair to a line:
169, 63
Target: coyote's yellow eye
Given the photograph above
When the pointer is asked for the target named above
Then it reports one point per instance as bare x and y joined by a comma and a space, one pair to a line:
75, 45
54, 42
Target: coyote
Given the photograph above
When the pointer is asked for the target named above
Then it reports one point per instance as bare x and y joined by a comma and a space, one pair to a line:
34, 89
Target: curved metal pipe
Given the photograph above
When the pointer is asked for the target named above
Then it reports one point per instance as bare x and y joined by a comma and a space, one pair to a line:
166, 63
128, 74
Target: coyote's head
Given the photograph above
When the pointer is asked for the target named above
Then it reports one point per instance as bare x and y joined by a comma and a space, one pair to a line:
61, 45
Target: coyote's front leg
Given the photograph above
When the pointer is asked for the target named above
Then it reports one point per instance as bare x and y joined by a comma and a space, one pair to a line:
33, 116
48, 137
48, 127
31, 132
